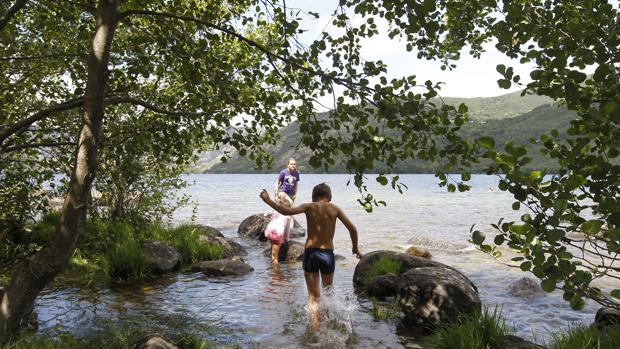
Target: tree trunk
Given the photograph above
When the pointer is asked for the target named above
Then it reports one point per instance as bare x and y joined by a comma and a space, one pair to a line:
33, 275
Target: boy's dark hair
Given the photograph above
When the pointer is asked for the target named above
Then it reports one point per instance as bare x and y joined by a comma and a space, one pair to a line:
321, 191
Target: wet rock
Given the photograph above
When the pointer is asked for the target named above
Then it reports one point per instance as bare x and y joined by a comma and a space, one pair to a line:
368, 260
607, 316
383, 286
298, 231
290, 251
525, 288
155, 342
435, 295
223, 267
161, 257
418, 252
514, 342
254, 227
213, 236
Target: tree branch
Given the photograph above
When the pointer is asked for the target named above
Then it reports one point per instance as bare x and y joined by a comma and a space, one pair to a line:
34, 145
11, 12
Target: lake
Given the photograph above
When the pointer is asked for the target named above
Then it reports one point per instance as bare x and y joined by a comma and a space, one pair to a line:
266, 309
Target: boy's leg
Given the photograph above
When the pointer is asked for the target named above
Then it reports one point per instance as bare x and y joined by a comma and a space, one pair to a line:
328, 279
314, 297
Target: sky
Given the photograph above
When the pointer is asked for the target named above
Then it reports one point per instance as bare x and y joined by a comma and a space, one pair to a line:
471, 78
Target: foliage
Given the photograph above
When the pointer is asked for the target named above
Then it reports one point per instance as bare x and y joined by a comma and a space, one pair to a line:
482, 329
185, 239
384, 310
592, 337
383, 265
127, 261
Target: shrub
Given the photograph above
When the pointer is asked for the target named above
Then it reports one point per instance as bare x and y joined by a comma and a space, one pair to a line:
581, 337
186, 240
127, 261
384, 265
478, 330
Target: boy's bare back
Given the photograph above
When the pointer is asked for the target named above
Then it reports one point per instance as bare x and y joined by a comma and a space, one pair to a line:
321, 218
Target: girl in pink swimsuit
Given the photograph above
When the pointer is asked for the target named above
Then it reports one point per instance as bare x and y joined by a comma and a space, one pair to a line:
278, 229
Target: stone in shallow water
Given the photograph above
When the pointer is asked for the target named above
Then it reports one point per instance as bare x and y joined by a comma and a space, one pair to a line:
213, 236
161, 257
525, 288
223, 267
254, 227
155, 342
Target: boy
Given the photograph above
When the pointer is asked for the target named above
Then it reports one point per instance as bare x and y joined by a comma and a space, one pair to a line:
321, 216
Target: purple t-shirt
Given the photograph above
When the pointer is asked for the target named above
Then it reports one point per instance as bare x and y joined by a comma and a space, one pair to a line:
288, 181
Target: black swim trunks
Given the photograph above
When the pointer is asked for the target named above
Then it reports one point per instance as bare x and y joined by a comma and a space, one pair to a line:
316, 259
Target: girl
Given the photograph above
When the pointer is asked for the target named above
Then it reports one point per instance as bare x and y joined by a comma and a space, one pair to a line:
278, 229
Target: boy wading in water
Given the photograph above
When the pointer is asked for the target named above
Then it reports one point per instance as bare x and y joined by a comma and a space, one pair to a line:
319, 262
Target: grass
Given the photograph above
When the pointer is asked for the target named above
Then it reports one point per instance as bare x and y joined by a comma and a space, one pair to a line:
384, 265
108, 337
384, 310
593, 337
481, 330
110, 250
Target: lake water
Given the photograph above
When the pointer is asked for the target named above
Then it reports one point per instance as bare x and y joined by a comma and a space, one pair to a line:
266, 309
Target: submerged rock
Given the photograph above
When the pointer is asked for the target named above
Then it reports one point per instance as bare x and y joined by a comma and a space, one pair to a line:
298, 231
418, 252
254, 227
213, 236
161, 257
223, 267
290, 251
155, 342
428, 292
525, 288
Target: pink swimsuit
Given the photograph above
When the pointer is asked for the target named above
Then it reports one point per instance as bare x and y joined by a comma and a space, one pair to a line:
278, 229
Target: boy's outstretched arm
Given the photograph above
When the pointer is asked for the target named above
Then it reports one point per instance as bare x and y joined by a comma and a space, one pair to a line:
352, 231
283, 210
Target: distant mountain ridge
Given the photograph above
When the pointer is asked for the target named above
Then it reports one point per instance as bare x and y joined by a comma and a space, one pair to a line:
491, 116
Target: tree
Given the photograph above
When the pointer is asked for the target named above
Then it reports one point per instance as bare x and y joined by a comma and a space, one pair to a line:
572, 235
198, 72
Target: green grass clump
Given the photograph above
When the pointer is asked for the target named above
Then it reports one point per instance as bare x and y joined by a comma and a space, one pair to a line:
384, 311
185, 239
483, 330
593, 337
384, 265
127, 261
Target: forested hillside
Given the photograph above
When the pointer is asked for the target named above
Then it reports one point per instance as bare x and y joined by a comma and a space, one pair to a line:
520, 129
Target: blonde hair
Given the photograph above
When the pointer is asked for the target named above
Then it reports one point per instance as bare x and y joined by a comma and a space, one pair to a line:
284, 200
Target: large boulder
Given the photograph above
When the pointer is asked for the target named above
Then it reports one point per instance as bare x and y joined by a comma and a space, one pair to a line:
434, 295
525, 288
213, 236
161, 257
427, 291
254, 227
606, 317
290, 251
298, 231
366, 263
223, 267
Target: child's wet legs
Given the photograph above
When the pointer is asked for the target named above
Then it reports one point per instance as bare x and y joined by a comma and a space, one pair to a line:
275, 251
327, 279
314, 298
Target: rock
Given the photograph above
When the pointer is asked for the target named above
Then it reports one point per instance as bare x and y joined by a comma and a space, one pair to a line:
223, 267
368, 260
298, 231
155, 342
383, 286
254, 227
525, 288
514, 342
607, 316
418, 252
161, 257
435, 295
213, 236
290, 251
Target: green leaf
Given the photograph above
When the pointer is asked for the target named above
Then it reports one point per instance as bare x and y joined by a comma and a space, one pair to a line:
499, 239
382, 180
451, 188
477, 237
615, 294
577, 303
592, 226
516, 205
486, 142
526, 266
548, 285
